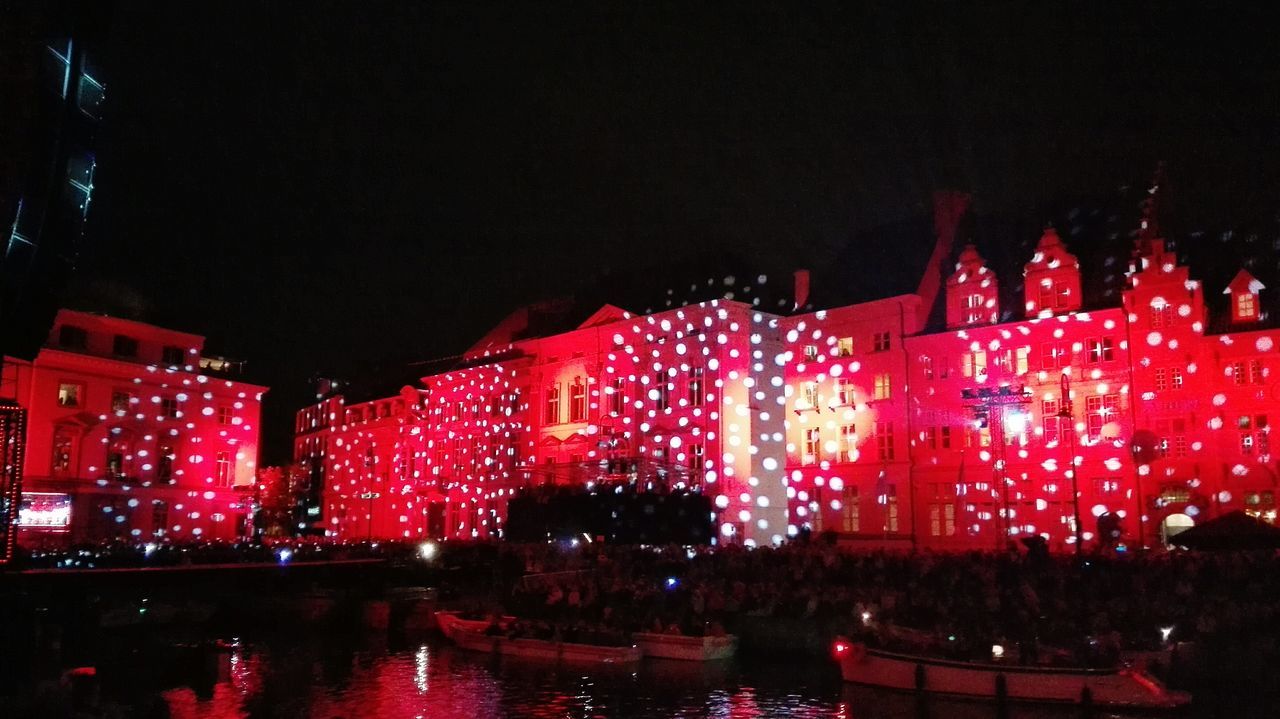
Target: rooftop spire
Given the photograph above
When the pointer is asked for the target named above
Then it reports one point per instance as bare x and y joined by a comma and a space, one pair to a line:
1149, 229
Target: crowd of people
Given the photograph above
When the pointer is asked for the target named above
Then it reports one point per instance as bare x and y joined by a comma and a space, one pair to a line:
960, 605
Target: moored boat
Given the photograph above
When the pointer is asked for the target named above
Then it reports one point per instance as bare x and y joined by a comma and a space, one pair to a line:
1116, 688
547, 651
451, 622
694, 649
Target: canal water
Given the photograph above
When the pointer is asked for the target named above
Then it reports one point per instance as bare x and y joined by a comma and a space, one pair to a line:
324, 678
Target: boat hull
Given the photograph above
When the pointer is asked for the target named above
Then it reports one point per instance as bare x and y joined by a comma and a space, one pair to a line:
1110, 688
692, 649
450, 623
547, 651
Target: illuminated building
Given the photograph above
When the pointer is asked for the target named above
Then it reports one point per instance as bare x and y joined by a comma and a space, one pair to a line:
931, 418
133, 434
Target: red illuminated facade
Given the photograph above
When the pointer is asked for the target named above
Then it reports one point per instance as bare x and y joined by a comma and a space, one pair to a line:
866, 420
133, 435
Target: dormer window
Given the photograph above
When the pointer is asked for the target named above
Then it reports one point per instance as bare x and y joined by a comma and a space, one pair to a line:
1244, 291
972, 292
1246, 306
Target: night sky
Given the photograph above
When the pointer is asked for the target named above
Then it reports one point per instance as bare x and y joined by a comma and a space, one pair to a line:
334, 186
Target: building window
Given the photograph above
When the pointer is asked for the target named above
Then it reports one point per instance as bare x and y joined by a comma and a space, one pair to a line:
159, 517
169, 408
844, 347
882, 387
124, 346
848, 443
942, 511
224, 416
1253, 435
975, 364
1052, 423
661, 391
1237, 373
971, 308
696, 457
809, 395
70, 394
63, 443
844, 391
1054, 355
164, 462
173, 356
119, 458
696, 395
1100, 409
884, 440
851, 509
881, 341
1175, 377
812, 445
926, 367
1023, 360
1173, 438
1161, 379
552, 413
944, 436
577, 400
1106, 487
1246, 306
1255, 372
617, 396
1162, 315
811, 352
890, 501
121, 401
72, 337
222, 471
1100, 349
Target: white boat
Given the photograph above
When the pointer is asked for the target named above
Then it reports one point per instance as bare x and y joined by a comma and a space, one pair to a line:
547, 651
1115, 688
451, 622
693, 649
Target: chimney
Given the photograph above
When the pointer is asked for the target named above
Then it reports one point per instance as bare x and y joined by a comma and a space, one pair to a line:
802, 288
949, 207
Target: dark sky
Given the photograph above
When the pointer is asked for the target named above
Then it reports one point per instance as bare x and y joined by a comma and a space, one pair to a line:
326, 186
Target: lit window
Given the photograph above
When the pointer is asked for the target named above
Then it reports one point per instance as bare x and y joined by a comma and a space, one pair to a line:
926, 367
848, 442
1246, 306
882, 387
809, 396
811, 352
890, 501
120, 401
851, 509
70, 394
63, 443
844, 347
975, 364
972, 308
844, 391
812, 445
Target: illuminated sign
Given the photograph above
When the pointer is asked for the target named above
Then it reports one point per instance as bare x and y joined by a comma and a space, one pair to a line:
45, 510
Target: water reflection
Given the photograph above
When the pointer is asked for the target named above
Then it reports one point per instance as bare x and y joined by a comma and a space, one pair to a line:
332, 680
